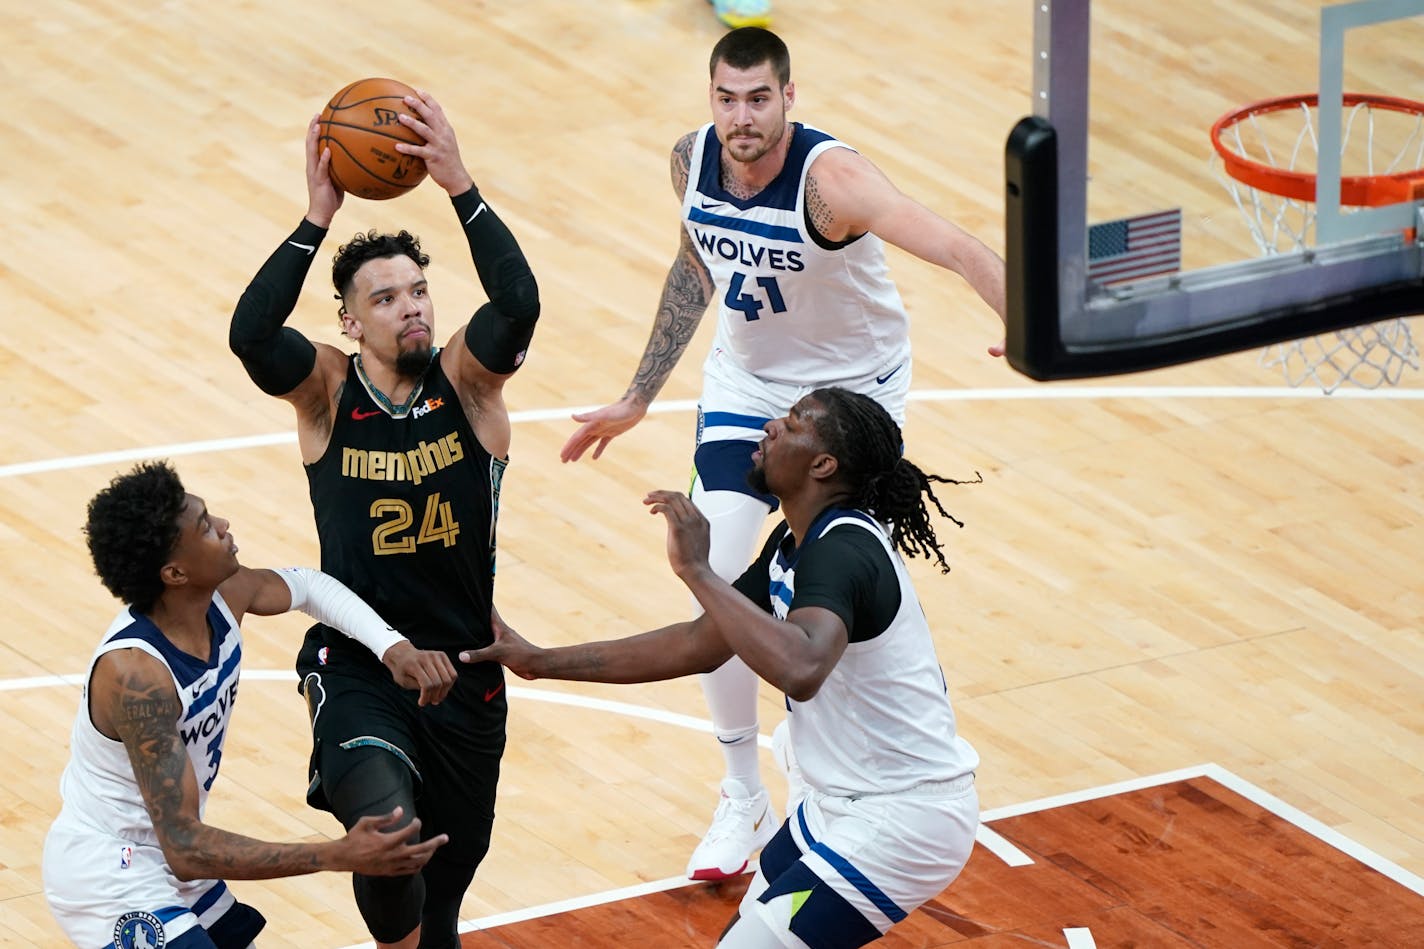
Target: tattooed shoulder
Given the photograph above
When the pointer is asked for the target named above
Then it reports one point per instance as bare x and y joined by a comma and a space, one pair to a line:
681, 162
818, 210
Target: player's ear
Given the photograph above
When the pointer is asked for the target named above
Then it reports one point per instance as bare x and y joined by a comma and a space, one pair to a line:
789, 94
350, 326
824, 466
172, 574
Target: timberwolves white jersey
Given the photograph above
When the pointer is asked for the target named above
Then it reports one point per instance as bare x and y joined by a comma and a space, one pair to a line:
791, 307
98, 785
881, 722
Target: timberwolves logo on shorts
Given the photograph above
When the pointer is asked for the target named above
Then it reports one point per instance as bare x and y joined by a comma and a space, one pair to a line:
138, 931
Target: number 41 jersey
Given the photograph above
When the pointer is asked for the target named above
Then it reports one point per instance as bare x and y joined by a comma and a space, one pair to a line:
793, 307
406, 504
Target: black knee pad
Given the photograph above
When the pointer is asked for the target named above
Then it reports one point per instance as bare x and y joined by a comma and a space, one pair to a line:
390, 906
375, 783
446, 880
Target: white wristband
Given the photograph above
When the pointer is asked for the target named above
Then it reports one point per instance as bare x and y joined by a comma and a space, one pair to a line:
327, 600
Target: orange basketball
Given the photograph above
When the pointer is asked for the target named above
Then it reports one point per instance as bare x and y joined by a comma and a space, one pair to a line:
360, 126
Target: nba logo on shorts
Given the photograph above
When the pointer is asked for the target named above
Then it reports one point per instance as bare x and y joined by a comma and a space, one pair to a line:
125, 857
138, 931
322, 654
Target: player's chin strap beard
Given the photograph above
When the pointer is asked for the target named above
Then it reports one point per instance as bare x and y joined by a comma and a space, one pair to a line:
411, 364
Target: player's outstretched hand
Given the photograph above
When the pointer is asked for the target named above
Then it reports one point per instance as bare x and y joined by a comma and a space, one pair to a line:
441, 152
689, 536
602, 426
509, 649
999, 348
323, 196
428, 670
377, 847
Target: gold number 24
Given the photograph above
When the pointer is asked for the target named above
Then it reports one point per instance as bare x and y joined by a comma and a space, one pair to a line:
391, 536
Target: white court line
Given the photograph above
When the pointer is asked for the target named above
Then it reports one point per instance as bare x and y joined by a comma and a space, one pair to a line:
1246, 789
1042, 392
1081, 938
997, 844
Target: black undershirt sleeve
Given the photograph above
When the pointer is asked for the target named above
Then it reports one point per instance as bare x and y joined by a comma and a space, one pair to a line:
848, 572
499, 333
276, 357
755, 582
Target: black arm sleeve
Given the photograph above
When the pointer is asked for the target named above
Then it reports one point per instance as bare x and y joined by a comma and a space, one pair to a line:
499, 333
848, 572
277, 358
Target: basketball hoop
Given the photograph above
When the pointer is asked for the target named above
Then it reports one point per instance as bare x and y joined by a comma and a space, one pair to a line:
1267, 152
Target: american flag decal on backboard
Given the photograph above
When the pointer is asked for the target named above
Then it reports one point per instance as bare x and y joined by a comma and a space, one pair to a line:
1135, 247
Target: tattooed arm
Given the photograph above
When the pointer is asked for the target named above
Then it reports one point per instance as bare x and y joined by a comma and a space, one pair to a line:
133, 699
686, 293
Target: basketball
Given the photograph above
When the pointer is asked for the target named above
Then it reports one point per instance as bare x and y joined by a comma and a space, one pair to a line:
360, 126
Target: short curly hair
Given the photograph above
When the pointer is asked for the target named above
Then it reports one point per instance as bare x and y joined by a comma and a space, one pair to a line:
372, 245
132, 529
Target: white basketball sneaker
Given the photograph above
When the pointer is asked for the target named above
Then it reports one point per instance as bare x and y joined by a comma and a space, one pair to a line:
742, 824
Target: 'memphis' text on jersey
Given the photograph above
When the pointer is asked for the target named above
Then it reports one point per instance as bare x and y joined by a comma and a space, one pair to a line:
424, 459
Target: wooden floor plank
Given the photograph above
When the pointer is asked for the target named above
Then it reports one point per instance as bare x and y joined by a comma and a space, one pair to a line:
1186, 863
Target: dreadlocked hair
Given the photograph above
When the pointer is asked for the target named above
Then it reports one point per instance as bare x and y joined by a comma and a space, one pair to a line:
869, 451
132, 528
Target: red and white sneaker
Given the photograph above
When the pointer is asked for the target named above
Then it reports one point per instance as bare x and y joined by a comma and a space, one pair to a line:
742, 824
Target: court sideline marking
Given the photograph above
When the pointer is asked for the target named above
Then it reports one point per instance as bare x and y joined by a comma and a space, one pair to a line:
1021, 393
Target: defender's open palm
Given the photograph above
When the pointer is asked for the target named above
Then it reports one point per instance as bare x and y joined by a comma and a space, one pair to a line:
509, 649
602, 426
378, 848
688, 537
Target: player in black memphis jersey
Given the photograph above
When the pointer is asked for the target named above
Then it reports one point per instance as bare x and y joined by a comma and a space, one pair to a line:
404, 445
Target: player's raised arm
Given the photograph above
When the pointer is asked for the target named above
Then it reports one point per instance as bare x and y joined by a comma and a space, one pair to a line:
848, 195
133, 699
282, 361
687, 291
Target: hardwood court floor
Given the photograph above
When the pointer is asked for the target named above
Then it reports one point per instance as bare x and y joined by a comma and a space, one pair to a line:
1181, 863
1189, 565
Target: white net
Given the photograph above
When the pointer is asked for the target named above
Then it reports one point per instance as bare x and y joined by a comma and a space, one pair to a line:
1374, 141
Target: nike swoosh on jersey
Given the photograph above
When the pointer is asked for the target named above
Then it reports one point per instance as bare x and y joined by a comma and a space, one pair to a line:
881, 380
477, 213
358, 415
709, 205
309, 248
491, 693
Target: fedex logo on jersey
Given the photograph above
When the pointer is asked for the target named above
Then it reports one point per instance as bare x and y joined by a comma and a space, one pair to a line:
748, 254
426, 407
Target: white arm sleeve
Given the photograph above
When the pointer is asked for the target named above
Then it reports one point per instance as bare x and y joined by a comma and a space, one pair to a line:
327, 600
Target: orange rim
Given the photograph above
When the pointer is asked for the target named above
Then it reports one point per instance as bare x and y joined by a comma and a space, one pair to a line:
1355, 190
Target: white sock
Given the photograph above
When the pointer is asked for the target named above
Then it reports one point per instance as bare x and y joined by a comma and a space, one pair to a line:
737, 529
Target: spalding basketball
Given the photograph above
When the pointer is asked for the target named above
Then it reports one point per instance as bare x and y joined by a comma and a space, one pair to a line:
360, 126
